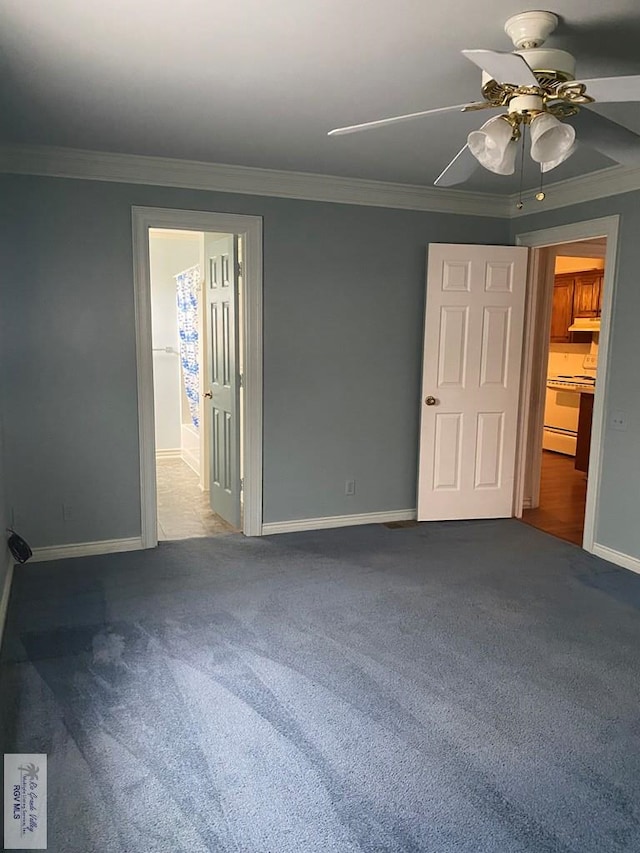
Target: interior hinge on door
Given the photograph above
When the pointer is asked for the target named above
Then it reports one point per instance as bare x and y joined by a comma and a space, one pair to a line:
239, 270
241, 380
242, 484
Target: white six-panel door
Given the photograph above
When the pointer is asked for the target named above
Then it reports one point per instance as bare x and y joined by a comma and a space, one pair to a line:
471, 380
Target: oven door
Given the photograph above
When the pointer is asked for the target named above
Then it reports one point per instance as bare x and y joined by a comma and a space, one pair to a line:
561, 421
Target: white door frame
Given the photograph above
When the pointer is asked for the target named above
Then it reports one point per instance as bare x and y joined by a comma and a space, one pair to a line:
250, 229
537, 324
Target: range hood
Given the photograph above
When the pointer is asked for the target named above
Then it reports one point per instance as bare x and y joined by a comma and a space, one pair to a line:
585, 324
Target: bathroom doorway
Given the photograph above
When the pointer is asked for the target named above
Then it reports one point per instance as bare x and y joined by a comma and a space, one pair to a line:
248, 231
191, 453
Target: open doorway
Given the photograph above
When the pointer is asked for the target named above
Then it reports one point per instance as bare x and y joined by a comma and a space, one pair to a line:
182, 338
571, 371
585, 368
220, 373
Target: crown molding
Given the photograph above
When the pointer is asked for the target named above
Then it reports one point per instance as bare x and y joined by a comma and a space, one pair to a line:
604, 183
191, 174
245, 180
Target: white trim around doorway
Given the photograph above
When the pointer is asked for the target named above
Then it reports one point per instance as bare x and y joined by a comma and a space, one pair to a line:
250, 228
536, 323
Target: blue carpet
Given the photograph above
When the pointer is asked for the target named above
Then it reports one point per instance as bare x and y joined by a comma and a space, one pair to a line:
459, 687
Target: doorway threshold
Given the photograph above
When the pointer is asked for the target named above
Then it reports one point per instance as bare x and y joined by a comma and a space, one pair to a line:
183, 509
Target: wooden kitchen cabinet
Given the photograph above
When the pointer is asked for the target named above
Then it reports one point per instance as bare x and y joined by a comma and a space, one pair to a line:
587, 295
562, 311
574, 295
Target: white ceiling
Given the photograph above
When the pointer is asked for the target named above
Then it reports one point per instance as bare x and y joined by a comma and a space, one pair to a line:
259, 84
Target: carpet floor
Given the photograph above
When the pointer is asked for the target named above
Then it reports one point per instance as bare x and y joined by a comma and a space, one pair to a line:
458, 687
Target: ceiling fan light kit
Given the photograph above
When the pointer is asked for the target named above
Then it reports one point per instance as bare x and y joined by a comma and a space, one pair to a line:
493, 146
552, 142
533, 86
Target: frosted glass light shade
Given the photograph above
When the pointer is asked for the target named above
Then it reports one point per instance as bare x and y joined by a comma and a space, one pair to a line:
548, 165
551, 141
493, 147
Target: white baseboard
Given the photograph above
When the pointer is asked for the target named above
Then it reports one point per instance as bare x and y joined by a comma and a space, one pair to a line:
170, 453
617, 557
191, 460
337, 521
86, 549
4, 598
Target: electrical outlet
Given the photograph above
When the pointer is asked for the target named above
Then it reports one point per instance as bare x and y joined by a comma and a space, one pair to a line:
67, 512
619, 421
590, 362
350, 487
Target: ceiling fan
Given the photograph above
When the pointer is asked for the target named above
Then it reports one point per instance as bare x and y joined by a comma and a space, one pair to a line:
540, 94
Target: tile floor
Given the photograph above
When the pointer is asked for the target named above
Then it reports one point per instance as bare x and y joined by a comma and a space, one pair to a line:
183, 510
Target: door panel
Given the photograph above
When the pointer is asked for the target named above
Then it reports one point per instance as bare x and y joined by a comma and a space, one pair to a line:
222, 379
495, 341
446, 469
488, 450
471, 374
587, 295
453, 346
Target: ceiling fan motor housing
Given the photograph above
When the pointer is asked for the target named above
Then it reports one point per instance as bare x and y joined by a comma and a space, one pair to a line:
547, 60
549, 64
530, 29
525, 105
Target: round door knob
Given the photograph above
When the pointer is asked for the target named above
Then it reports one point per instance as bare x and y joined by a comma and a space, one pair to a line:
431, 401
208, 394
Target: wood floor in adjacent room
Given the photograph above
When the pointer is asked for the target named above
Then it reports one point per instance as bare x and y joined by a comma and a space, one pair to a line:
563, 494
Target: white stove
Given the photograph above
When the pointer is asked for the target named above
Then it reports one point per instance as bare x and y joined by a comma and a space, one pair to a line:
580, 383
561, 411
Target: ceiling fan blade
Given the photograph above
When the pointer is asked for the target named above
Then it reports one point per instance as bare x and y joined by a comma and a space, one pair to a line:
608, 137
459, 169
613, 89
382, 122
503, 67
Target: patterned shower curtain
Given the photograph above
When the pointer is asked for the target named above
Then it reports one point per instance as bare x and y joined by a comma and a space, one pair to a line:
188, 285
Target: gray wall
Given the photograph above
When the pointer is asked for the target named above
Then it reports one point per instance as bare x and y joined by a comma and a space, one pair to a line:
343, 306
4, 521
618, 518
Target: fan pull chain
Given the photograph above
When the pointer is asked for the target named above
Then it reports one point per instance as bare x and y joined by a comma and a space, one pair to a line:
540, 195
520, 203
